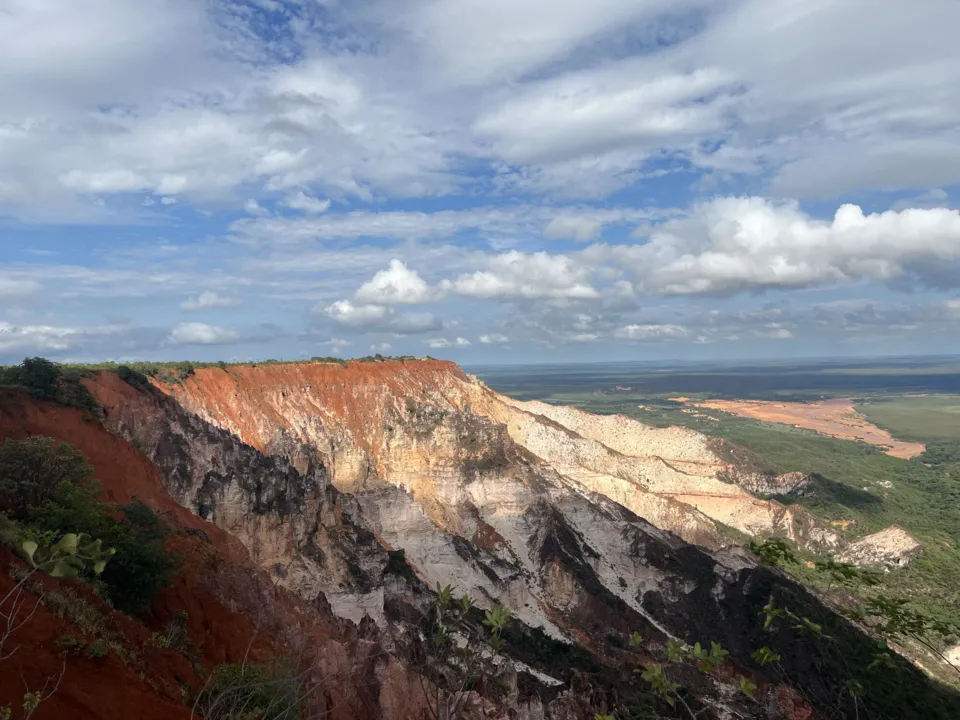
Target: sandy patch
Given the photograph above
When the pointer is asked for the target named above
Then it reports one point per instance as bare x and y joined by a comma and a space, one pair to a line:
837, 418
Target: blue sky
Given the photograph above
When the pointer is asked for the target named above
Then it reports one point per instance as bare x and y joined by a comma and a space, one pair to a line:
495, 181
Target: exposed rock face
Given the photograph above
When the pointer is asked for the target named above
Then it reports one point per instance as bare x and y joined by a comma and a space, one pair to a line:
395, 424
793, 483
889, 548
323, 472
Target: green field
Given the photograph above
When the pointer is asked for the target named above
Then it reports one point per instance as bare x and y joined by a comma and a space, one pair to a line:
915, 418
859, 481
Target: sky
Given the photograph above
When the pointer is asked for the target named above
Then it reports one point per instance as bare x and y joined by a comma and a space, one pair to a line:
490, 181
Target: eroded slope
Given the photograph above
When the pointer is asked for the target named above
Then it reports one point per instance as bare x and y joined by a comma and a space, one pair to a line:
324, 472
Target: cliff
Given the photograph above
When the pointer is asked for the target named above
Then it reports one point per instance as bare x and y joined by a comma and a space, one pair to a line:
579, 524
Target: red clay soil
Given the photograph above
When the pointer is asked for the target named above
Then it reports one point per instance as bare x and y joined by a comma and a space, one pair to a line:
121, 470
225, 394
151, 686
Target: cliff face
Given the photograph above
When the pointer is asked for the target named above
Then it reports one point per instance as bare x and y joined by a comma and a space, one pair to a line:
235, 610
397, 424
324, 472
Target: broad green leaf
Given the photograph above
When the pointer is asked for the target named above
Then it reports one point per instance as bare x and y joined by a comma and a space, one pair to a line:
29, 547
67, 544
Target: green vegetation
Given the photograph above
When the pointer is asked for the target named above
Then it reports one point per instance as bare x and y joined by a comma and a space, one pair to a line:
32, 470
838, 671
448, 672
49, 381
917, 418
46, 487
257, 692
179, 370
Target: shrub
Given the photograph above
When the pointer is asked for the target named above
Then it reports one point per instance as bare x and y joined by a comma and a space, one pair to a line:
97, 649
131, 376
33, 470
141, 565
67, 604
47, 380
175, 634
39, 376
140, 568
67, 643
251, 691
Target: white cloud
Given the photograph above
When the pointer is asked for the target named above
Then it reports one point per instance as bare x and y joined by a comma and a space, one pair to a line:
48, 338
378, 318
438, 343
185, 100
573, 228
346, 313
651, 332
494, 339
35, 337
195, 333
468, 42
209, 300
252, 207
489, 220
518, 275
397, 285
380, 347
627, 106
336, 344
11, 288
305, 203
731, 244
584, 337
931, 199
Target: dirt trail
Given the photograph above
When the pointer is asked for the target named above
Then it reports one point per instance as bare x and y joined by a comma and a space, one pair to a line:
837, 418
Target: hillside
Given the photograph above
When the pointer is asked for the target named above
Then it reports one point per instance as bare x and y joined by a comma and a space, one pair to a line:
352, 491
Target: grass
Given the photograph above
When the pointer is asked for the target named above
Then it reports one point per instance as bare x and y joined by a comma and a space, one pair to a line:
916, 418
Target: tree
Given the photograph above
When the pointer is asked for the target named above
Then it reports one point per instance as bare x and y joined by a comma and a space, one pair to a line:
454, 657
32, 470
38, 375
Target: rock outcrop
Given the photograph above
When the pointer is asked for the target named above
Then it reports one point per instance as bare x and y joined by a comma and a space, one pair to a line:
889, 548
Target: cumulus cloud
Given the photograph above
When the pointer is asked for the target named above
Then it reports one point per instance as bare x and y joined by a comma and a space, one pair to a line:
346, 313
438, 343
378, 318
306, 204
195, 333
209, 300
514, 275
733, 244
493, 339
397, 285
